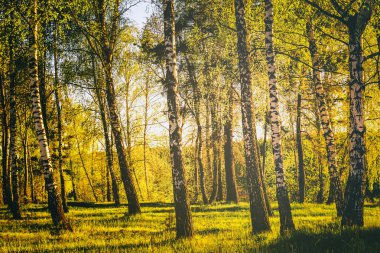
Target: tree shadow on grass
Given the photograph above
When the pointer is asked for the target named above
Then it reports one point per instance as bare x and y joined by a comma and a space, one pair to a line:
220, 208
347, 240
111, 205
209, 231
128, 247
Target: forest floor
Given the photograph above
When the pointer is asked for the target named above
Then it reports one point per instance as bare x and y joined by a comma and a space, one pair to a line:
218, 228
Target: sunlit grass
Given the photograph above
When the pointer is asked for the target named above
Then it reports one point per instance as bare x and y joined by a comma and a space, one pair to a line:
218, 228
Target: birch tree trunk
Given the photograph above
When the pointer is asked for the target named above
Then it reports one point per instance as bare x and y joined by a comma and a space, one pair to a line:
258, 210
354, 193
328, 134
145, 130
301, 169
55, 204
59, 122
184, 224
286, 220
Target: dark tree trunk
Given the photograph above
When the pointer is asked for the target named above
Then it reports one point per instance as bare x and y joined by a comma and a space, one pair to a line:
258, 210
197, 112
335, 192
102, 110
26, 164
262, 169
59, 122
215, 151
301, 169
184, 224
229, 163
108, 190
75, 197
54, 200
85, 169
6, 183
145, 131
219, 194
321, 184
286, 219
15, 206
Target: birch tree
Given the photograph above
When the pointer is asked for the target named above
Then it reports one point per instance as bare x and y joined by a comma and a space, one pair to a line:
325, 119
286, 220
184, 224
355, 21
258, 210
54, 199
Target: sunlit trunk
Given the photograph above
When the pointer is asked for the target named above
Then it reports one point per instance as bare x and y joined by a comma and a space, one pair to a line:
184, 224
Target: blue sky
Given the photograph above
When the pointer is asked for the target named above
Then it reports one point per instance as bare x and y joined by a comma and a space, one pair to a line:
139, 13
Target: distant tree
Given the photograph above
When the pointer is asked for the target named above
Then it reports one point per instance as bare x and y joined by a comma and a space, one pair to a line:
102, 35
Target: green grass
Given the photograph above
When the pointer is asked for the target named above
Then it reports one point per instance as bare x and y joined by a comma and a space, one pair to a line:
218, 228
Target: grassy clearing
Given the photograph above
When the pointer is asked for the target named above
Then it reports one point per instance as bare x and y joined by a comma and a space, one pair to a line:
219, 228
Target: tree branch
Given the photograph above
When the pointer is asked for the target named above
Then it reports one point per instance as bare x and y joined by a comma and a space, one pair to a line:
329, 14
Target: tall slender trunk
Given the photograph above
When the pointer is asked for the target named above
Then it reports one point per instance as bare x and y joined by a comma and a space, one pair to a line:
335, 186
184, 224
108, 185
286, 220
15, 206
197, 111
102, 110
229, 163
129, 136
26, 163
258, 210
354, 193
85, 169
195, 161
42, 86
126, 175
75, 197
108, 37
55, 204
219, 194
301, 169
6, 184
262, 169
146, 108
208, 144
59, 121
321, 185
31, 177
215, 151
